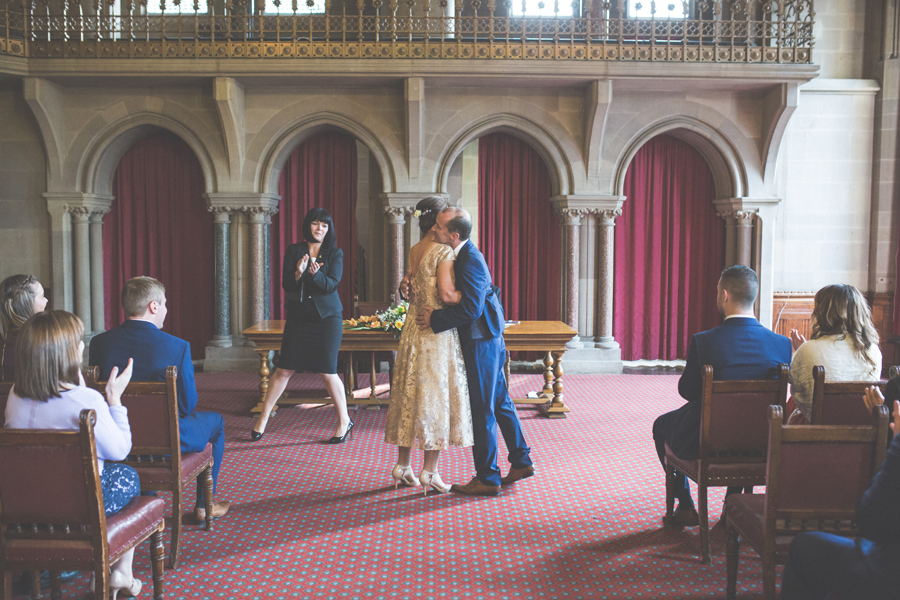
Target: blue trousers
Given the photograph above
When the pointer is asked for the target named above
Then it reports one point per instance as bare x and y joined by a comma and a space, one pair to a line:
204, 427
822, 564
492, 407
119, 484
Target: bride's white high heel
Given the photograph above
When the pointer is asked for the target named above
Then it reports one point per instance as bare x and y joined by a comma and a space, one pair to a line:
403, 474
433, 481
119, 583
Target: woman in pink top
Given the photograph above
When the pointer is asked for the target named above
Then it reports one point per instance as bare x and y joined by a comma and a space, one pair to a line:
49, 393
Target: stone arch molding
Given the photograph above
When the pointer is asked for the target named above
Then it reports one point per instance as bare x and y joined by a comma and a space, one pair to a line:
293, 134
539, 139
110, 144
729, 174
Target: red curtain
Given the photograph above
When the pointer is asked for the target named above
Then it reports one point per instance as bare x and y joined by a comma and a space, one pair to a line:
320, 172
518, 230
159, 226
670, 250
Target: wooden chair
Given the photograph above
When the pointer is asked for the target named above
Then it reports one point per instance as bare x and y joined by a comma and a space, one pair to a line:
840, 402
733, 440
52, 515
816, 475
156, 446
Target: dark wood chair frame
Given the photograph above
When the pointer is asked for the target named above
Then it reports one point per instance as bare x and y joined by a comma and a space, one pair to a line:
747, 464
825, 392
790, 522
351, 370
59, 533
165, 454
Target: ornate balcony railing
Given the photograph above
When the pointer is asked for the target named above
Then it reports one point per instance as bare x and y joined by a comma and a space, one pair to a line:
732, 31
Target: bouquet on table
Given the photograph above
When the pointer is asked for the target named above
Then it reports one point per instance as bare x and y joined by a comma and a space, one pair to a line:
391, 320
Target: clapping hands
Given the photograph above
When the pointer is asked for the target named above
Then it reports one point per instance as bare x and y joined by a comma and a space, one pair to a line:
875, 398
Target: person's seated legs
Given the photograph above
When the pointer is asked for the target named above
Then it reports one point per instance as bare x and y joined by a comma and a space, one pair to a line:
215, 425
686, 513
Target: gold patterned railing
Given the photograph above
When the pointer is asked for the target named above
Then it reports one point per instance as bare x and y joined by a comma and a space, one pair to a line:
735, 31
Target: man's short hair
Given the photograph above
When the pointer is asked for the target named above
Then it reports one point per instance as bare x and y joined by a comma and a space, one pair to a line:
741, 283
140, 292
460, 223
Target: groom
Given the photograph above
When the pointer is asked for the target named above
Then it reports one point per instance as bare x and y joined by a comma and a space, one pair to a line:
479, 321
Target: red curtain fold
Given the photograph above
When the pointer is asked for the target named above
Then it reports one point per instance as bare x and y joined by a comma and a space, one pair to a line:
159, 226
670, 251
320, 172
519, 233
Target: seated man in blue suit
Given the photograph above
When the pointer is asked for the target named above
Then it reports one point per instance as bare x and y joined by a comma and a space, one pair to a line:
739, 348
140, 337
821, 565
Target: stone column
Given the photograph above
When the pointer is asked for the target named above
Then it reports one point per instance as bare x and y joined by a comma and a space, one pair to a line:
396, 260
98, 317
744, 238
222, 220
730, 238
571, 220
260, 219
606, 261
81, 242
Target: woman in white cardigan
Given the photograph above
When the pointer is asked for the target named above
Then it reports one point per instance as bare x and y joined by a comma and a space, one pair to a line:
843, 340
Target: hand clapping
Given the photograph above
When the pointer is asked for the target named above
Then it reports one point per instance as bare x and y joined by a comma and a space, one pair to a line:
116, 385
796, 339
301, 266
313, 267
875, 398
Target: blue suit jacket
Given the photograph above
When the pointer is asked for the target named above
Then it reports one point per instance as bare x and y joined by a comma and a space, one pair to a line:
153, 352
739, 348
479, 315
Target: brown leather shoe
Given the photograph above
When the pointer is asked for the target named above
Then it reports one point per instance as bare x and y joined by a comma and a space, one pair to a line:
685, 517
218, 510
476, 488
516, 474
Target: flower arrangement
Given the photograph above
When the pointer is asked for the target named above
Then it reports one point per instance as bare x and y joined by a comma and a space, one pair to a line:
391, 320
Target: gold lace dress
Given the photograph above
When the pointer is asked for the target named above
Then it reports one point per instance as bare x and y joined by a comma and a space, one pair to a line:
429, 394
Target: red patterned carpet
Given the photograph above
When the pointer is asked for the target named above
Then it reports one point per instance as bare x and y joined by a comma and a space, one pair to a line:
318, 521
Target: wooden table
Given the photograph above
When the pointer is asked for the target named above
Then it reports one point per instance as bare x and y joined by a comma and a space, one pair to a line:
549, 337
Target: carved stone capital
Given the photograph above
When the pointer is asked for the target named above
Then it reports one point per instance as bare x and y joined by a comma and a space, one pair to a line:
260, 214
79, 213
398, 211
742, 217
572, 216
607, 216
221, 213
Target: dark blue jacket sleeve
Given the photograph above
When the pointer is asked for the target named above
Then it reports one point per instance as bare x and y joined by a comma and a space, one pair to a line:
187, 387
878, 511
690, 385
328, 278
474, 284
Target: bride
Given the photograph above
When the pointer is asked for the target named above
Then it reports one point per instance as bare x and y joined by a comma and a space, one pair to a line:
429, 395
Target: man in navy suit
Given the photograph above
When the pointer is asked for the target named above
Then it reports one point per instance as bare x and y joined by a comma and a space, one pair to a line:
867, 568
140, 337
480, 323
739, 348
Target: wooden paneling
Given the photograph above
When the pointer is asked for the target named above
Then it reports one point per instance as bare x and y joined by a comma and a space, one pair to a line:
793, 310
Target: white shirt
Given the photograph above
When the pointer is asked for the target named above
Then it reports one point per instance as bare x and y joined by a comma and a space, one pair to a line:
841, 364
459, 248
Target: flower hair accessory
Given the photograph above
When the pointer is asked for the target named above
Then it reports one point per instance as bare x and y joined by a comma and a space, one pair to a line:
418, 213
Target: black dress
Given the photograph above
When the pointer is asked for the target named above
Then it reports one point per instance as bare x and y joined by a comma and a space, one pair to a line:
313, 331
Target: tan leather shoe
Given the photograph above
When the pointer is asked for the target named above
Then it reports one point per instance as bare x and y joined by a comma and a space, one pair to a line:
476, 488
218, 510
516, 474
684, 517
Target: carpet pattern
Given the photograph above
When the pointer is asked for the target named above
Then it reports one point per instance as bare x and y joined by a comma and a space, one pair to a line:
317, 521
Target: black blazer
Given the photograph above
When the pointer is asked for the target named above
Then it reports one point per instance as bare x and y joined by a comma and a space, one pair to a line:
321, 288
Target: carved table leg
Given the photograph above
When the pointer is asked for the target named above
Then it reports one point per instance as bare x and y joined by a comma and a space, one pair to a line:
547, 392
373, 395
263, 374
557, 407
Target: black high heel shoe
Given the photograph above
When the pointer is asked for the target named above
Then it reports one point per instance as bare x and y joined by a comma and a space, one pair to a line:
343, 438
255, 436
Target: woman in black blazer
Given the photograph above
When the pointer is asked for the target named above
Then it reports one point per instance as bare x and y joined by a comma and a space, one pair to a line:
312, 334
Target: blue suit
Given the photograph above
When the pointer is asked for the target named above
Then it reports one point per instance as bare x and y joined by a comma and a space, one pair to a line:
153, 352
867, 568
480, 323
739, 348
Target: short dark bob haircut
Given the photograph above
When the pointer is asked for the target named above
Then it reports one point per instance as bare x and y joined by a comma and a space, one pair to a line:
321, 215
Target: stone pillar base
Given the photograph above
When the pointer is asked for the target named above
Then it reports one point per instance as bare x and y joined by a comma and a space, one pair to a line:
592, 361
220, 341
238, 359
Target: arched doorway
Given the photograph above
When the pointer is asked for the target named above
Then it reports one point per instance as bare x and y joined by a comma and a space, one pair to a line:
159, 226
320, 172
669, 251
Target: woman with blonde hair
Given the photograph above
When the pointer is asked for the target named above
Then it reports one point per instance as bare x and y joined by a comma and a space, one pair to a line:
49, 393
843, 340
20, 297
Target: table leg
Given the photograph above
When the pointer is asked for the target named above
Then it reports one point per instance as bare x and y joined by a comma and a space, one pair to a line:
351, 378
373, 396
547, 391
557, 408
506, 368
263, 374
